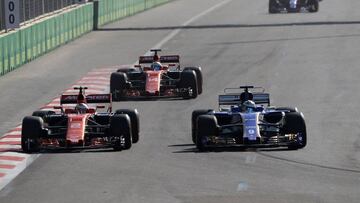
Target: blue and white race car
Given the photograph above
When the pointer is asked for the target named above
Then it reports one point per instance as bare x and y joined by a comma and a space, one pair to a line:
280, 6
246, 119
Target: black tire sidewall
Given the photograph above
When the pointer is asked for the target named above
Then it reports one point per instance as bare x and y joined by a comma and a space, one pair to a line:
135, 122
120, 125
295, 123
199, 77
194, 116
118, 82
188, 79
206, 126
32, 127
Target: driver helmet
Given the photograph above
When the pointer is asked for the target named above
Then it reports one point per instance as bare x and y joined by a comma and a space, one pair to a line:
81, 108
156, 66
248, 106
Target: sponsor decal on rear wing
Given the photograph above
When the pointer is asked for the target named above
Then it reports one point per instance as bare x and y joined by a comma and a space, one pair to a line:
170, 59
163, 59
235, 99
91, 98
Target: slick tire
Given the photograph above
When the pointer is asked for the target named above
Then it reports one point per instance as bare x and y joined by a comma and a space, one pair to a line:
207, 126
289, 109
189, 80
118, 82
272, 5
43, 114
274, 117
134, 120
125, 70
194, 116
295, 124
199, 77
31, 131
120, 127
314, 6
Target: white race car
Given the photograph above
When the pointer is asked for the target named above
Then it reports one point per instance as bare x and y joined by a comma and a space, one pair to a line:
294, 6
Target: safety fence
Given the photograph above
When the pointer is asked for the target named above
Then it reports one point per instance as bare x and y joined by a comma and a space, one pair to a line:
30, 9
23, 45
111, 10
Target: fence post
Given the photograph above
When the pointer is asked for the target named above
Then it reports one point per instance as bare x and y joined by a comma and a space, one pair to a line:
1, 57
96, 15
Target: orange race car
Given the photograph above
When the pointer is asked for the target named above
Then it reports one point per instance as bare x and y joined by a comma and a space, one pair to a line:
78, 125
156, 77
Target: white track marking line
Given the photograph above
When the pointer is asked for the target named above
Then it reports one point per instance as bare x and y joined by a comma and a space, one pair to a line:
193, 19
20, 166
243, 186
18, 132
10, 139
250, 159
10, 147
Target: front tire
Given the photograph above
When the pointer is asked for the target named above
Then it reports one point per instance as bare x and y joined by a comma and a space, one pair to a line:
188, 81
134, 120
206, 127
272, 5
120, 128
295, 124
314, 6
194, 116
199, 77
32, 127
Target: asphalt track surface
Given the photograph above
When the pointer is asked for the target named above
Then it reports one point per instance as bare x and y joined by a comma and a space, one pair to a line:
313, 66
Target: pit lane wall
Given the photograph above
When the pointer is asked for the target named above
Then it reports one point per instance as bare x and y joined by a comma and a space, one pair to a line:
29, 42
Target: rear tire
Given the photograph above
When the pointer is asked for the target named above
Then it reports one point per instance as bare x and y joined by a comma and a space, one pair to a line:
31, 131
199, 77
118, 82
188, 81
120, 127
289, 109
274, 117
194, 117
43, 114
125, 70
206, 127
295, 124
134, 120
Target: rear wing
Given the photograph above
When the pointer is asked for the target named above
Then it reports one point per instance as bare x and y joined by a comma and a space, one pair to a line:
235, 99
91, 98
163, 59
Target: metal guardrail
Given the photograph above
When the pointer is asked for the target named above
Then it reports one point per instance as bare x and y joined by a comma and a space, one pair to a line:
30, 9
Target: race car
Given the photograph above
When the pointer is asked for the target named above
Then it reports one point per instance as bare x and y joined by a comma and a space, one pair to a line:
77, 124
279, 6
156, 77
246, 119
